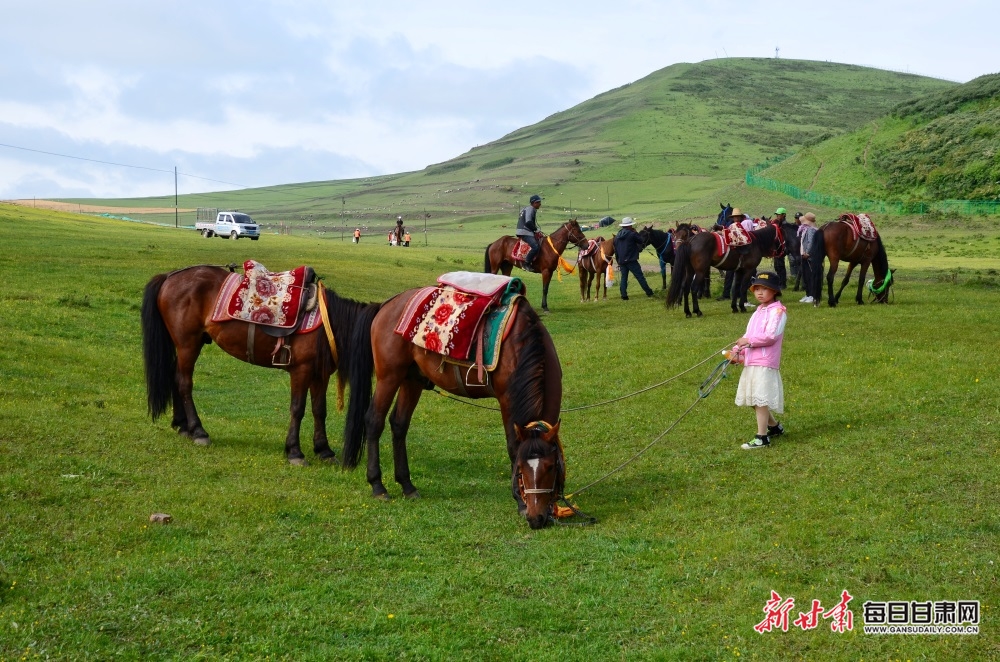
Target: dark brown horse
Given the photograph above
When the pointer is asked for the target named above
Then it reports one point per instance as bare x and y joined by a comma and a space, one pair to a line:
841, 245
498, 254
176, 324
695, 257
527, 383
596, 265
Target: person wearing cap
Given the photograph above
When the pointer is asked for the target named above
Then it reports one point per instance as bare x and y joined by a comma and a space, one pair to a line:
628, 245
747, 224
357, 235
780, 216
759, 350
527, 226
810, 251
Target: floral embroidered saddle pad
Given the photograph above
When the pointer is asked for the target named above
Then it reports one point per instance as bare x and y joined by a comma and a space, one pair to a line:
861, 226
732, 237
465, 308
279, 300
591, 248
522, 247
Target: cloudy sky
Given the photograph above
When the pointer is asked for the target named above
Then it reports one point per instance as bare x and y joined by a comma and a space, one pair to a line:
267, 92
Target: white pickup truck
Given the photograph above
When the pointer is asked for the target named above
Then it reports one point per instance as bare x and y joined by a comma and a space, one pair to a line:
231, 224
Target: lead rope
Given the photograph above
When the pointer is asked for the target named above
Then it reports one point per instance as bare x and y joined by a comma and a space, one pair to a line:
706, 388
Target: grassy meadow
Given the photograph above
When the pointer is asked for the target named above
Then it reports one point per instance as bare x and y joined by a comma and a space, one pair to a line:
884, 485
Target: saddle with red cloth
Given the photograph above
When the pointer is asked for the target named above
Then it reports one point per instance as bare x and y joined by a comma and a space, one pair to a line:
467, 311
521, 248
281, 303
861, 226
734, 236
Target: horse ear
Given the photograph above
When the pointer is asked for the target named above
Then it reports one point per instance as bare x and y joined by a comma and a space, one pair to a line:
518, 432
553, 432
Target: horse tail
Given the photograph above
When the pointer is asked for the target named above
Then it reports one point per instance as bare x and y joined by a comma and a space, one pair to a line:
682, 255
487, 265
361, 369
158, 351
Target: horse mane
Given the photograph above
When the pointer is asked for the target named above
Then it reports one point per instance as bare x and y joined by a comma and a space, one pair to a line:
527, 385
344, 314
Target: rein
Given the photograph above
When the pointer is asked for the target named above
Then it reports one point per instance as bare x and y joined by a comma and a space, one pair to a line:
881, 288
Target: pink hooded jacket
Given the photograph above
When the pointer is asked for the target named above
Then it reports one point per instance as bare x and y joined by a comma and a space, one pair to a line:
765, 331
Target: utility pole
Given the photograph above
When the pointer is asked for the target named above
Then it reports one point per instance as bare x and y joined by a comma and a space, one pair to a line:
176, 225
343, 217
426, 216
776, 51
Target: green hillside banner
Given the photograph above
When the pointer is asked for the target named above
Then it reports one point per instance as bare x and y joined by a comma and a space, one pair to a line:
969, 207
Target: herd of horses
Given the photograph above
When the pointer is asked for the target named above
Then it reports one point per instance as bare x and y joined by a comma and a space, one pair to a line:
357, 343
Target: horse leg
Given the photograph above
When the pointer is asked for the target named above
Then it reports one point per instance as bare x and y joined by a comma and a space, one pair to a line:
847, 278
690, 288
546, 277
321, 444
734, 302
297, 409
861, 281
385, 391
186, 357
399, 423
830, 275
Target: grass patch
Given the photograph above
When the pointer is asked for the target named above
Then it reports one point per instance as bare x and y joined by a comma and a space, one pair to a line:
883, 485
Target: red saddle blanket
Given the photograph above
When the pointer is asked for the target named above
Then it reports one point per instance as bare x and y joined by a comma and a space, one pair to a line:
264, 297
591, 248
861, 226
522, 247
733, 236
444, 319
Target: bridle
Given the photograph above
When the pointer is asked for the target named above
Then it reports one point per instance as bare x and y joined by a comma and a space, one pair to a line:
579, 243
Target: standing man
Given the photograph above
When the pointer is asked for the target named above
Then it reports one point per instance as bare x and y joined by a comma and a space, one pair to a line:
745, 222
779, 261
628, 245
527, 226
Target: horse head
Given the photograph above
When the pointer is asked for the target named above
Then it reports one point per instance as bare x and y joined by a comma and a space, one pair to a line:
540, 471
574, 233
725, 216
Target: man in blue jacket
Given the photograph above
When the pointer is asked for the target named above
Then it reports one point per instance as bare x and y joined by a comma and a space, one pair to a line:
628, 245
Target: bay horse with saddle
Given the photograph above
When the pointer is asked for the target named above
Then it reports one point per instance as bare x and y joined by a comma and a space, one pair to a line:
285, 320
595, 261
732, 249
507, 252
853, 238
475, 336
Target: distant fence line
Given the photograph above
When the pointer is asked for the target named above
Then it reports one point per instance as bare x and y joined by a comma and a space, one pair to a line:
969, 207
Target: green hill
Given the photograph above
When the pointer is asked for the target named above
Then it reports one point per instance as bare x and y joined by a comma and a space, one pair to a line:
664, 146
944, 145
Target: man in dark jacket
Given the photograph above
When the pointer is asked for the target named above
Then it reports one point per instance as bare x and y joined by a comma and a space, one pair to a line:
527, 226
628, 245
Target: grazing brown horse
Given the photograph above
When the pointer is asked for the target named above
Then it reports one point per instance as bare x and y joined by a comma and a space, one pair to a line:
498, 254
596, 264
840, 245
176, 323
527, 383
695, 257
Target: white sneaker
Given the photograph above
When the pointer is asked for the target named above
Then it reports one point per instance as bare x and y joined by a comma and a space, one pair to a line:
751, 306
807, 300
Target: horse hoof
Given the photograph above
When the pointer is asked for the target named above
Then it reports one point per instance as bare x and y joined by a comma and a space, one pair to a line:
297, 461
202, 441
687, 315
413, 495
382, 497
329, 459
700, 314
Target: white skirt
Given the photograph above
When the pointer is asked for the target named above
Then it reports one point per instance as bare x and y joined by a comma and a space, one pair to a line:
761, 387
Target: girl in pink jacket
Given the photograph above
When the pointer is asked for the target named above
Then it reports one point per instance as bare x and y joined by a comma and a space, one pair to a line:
760, 352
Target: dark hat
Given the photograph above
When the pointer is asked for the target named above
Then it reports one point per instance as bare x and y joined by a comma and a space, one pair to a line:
767, 279
798, 214
535, 198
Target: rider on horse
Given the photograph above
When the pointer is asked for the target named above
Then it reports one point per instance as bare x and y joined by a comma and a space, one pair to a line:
526, 229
